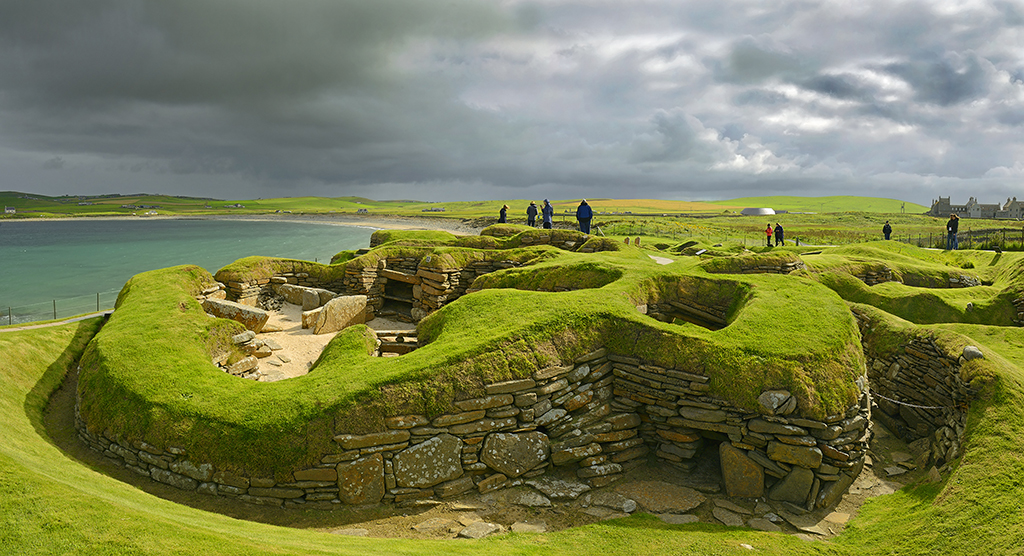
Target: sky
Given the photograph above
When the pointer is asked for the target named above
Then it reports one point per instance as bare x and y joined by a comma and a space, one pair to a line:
441, 100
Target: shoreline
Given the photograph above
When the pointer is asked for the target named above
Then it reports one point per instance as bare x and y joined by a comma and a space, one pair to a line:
375, 222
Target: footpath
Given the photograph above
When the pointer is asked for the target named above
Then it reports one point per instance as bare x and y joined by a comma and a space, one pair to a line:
58, 323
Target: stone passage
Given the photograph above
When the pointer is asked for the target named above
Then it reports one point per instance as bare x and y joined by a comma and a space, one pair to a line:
920, 396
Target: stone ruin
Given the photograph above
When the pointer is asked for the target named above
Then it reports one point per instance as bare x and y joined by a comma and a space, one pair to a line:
598, 416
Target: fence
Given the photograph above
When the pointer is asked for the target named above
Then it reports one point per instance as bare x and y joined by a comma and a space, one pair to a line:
1006, 239
60, 308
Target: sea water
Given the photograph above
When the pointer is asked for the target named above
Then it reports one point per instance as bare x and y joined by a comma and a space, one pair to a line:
68, 263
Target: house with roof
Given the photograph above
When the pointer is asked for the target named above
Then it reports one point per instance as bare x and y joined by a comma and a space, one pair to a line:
972, 209
1012, 209
9, 210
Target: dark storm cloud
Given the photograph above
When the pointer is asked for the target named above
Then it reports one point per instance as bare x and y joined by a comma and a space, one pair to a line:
546, 98
943, 82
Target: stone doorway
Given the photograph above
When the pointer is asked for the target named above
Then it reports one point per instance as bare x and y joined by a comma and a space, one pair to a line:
398, 300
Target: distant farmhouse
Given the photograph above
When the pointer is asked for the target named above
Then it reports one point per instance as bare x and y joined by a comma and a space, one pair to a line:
9, 210
433, 209
973, 209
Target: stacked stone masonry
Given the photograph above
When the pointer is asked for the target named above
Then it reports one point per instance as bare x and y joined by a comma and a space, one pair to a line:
602, 415
918, 394
755, 266
419, 290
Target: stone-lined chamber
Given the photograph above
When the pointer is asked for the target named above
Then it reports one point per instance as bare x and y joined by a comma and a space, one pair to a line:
600, 416
920, 394
407, 284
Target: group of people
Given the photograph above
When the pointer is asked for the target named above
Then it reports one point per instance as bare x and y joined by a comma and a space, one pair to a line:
584, 214
777, 231
952, 227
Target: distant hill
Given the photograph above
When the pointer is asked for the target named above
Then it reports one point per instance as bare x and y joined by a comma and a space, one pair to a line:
28, 204
838, 203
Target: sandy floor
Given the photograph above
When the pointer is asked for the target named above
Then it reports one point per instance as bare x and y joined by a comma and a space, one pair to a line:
300, 348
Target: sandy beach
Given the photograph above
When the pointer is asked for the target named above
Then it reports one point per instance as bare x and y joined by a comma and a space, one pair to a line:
375, 221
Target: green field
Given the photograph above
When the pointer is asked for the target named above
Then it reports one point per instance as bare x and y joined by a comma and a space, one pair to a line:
30, 205
52, 503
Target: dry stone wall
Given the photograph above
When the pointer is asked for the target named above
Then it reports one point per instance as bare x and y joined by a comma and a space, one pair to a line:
601, 416
426, 288
919, 395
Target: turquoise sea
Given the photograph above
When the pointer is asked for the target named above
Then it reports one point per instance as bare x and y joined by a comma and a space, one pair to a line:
71, 261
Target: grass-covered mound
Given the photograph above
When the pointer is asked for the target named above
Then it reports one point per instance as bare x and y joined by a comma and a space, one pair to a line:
50, 503
148, 377
920, 291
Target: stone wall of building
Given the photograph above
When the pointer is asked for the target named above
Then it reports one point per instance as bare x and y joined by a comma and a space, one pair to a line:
919, 395
600, 416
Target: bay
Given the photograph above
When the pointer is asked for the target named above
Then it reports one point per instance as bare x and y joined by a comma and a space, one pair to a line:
71, 261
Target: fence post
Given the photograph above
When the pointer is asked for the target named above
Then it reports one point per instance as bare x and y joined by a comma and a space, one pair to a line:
54, 309
97, 302
10, 316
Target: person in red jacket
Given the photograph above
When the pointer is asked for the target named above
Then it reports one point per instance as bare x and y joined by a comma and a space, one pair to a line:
768, 232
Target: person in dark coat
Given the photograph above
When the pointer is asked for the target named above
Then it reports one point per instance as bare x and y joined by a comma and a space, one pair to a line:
951, 228
502, 214
887, 230
531, 214
547, 213
779, 237
583, 216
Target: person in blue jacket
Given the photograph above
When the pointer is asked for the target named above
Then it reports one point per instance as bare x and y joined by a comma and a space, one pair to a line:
583, 215
531, 215
502, 214
547, 212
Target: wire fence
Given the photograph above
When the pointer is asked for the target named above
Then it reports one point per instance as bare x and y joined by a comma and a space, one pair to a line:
59, 308
1005, 239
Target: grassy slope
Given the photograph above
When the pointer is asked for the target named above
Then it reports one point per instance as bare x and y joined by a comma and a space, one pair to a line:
52, 504
977, 509
839, 203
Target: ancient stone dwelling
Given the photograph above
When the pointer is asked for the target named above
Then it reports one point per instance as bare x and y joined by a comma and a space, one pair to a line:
596, 417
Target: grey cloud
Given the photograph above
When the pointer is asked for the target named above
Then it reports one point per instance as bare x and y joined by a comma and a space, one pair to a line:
839, 86
943, 81
473, 98
749, 62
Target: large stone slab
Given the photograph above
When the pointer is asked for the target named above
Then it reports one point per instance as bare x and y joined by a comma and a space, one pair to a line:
660, 497
291, 293
515, 454
251, 317
794, 487
361, 481
797, 455
340, 313
429, 463
557, 488
742, 476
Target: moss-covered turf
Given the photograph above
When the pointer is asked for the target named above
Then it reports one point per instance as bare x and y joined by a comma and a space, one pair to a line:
51, 504
147, 376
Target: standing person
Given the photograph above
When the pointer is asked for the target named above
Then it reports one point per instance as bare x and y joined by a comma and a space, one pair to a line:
583, 215
547, 213
768, 234
779, 240
951, 228
502, 214
887, 230
531, 215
